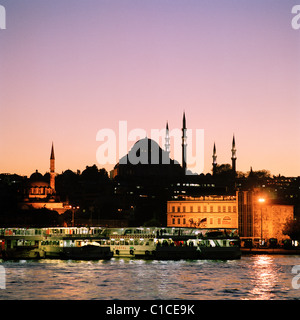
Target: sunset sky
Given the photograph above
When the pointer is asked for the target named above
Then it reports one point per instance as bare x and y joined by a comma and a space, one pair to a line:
71, 68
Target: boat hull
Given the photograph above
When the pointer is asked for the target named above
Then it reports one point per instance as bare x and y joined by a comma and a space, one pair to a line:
220, 253
175, 253
21, 253
87, 252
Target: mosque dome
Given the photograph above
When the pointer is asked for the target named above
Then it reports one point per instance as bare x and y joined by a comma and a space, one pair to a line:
36, 176
146, 152
147, 158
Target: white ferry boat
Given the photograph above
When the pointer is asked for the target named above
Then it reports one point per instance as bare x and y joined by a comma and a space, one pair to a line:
74, 243
20, 243
53, 243
98, 243
173, 243
191, 243
130, 242
220, 244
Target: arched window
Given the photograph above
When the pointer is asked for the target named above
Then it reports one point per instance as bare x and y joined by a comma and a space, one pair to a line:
226, 220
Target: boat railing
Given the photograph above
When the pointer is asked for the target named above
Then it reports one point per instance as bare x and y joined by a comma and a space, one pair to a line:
20, 232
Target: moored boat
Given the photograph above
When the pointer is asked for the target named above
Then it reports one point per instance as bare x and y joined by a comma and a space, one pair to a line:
20, 243
174, 243
220, 244
88, 251
131, 242
74, 243
97, 243
53, 243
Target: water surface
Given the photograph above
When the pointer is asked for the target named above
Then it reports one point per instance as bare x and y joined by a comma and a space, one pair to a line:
252, 277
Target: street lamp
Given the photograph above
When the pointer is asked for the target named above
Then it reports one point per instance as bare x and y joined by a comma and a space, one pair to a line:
261, 201
73, 215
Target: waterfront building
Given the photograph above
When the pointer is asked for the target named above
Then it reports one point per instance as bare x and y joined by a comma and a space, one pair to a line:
256, 216
260, 217
207, 211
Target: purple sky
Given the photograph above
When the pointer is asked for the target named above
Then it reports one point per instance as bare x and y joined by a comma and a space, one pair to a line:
71, 68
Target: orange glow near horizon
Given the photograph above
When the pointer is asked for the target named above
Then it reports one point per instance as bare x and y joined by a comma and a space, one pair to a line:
70, 70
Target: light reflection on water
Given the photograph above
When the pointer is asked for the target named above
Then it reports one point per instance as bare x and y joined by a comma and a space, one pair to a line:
267, 278
252, 277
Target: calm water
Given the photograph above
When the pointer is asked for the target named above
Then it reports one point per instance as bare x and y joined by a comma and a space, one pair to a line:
252, 277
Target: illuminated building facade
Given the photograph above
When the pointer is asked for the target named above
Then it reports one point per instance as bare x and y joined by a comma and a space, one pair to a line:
260, 218
209, 211
268, 221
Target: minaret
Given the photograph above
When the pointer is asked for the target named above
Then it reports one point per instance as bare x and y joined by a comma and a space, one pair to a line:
167, 140
52, 169
214, 160
233, 156
184, 144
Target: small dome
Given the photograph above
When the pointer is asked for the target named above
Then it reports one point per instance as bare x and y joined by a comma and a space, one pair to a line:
36, 177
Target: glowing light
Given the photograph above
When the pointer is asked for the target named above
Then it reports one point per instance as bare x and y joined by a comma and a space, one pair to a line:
261, 200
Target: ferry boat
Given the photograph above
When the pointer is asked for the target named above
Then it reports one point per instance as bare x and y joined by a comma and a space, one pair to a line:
97, 243
191, 243
130, 242
218, 244
174, 243
53, 243
74, 243
20, 243
75, 249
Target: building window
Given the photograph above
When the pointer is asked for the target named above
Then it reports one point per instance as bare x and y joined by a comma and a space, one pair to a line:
204, 208
184, 221
229, 208
226, 220
173, 221
224, 208
173, 209
183, 209
234, 208
199, 209
219, 220
219, 208
178, 209
211, 209
191, 208
178, 220
211, 221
